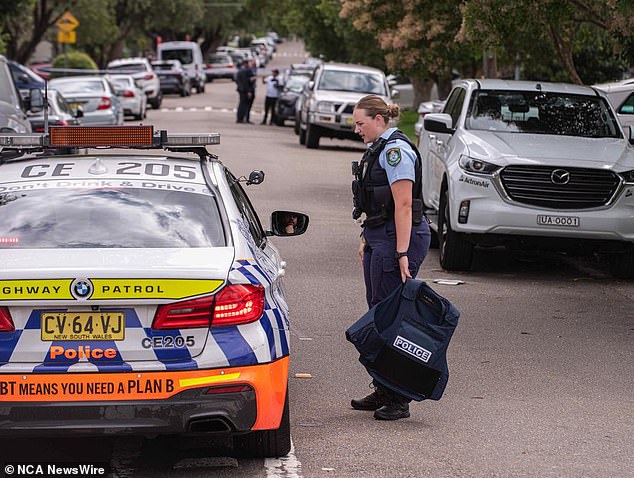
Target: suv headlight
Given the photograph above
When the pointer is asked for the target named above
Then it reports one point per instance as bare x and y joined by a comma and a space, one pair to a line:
325, 107
628, 176
477, 166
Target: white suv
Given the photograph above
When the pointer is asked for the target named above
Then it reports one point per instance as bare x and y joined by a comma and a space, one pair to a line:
144, 76
529, 165
328, 100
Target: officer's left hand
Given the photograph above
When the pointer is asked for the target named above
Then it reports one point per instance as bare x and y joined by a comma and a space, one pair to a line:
403, 264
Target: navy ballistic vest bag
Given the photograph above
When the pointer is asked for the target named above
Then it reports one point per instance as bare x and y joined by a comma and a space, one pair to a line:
403, 340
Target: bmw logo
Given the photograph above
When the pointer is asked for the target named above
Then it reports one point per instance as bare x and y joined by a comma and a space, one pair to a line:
81, 288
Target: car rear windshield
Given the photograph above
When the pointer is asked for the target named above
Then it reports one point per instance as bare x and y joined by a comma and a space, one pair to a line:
130, 67
217, 59
164, 66
79, 86
539, 112
338, 80
183, 55
95, 218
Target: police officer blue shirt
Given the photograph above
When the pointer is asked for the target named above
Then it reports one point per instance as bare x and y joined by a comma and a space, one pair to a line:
397, 158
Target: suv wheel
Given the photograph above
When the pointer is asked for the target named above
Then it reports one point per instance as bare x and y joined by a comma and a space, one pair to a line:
302, 135
201, 87
266, 443
296, 127
313, 134
456, 253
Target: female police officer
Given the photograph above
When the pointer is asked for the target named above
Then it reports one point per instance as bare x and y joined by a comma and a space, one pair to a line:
395, 237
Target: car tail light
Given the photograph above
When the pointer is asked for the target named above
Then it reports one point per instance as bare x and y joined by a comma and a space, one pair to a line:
6, 323
233, 305
128, 94
149, 76
209, 65
184, 315
238, 304
104, 104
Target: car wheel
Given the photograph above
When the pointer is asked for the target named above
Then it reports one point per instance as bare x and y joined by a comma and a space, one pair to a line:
302, 136
313, 134
622, 265
456, 253
278, 121
156, 102
184, 92
296, 126
201, 87
266, 443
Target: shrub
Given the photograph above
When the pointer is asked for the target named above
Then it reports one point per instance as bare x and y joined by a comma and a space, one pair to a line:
73, 59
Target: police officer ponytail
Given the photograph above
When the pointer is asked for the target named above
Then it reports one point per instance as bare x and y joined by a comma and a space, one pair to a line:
375, 105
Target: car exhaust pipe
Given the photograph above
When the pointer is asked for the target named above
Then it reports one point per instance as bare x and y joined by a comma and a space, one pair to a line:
208, 425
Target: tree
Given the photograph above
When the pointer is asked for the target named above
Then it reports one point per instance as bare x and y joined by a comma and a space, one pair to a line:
418, 38
530, 28
27, 27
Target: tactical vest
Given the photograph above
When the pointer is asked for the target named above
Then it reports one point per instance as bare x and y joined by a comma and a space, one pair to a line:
371, 190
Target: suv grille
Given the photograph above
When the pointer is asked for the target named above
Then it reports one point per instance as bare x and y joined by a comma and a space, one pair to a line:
559, 188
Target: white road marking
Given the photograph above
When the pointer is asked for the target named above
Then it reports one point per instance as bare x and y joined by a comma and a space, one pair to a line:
286, 467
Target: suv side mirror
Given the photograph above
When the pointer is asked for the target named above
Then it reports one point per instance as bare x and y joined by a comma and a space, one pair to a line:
36, 100
395, 94
438, 123
288, 223
310, 85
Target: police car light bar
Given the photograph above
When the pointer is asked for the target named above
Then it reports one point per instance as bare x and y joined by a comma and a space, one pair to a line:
95, 136
17, 140
142, 137
202, 139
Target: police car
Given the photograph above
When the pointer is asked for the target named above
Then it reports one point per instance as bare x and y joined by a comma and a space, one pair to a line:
139, 293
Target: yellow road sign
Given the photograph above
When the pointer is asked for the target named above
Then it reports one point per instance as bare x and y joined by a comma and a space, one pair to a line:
66, 37
67, 23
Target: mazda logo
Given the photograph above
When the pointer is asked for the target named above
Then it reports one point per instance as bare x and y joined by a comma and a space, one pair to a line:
560, 176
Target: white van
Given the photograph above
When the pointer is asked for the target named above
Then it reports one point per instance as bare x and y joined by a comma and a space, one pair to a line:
189, 54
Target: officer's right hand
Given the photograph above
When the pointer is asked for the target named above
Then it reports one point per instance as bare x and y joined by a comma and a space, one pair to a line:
360, 252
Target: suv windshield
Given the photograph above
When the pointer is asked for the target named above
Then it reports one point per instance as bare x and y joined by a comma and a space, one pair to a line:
126, 218
539, 112
338, 80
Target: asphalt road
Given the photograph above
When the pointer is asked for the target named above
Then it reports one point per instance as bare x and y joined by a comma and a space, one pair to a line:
542, 363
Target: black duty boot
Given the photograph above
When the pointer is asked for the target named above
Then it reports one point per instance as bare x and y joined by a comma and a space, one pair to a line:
373, 401
392, 411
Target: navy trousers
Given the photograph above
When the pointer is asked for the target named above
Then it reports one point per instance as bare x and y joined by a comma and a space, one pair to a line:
380, 268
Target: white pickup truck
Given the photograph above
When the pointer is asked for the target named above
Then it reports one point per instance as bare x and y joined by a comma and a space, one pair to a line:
529, 165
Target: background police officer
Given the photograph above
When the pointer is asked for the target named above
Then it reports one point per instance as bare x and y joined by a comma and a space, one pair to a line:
395, 237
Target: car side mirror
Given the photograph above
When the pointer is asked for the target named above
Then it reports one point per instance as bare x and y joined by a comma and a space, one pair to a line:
438, 123
288, 223
395, 94
36, 100
310, 85
256, 177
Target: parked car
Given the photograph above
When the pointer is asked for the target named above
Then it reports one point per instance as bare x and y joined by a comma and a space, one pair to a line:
25, 79
329, 98
173, 77
146, 77
285, 106
96, 97
13, 108
133, 98
529, 165
41, 70
426, 107
621, 96
59, 113
220, 65
190, 56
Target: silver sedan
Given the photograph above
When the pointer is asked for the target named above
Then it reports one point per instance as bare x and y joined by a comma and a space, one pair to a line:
94, 95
